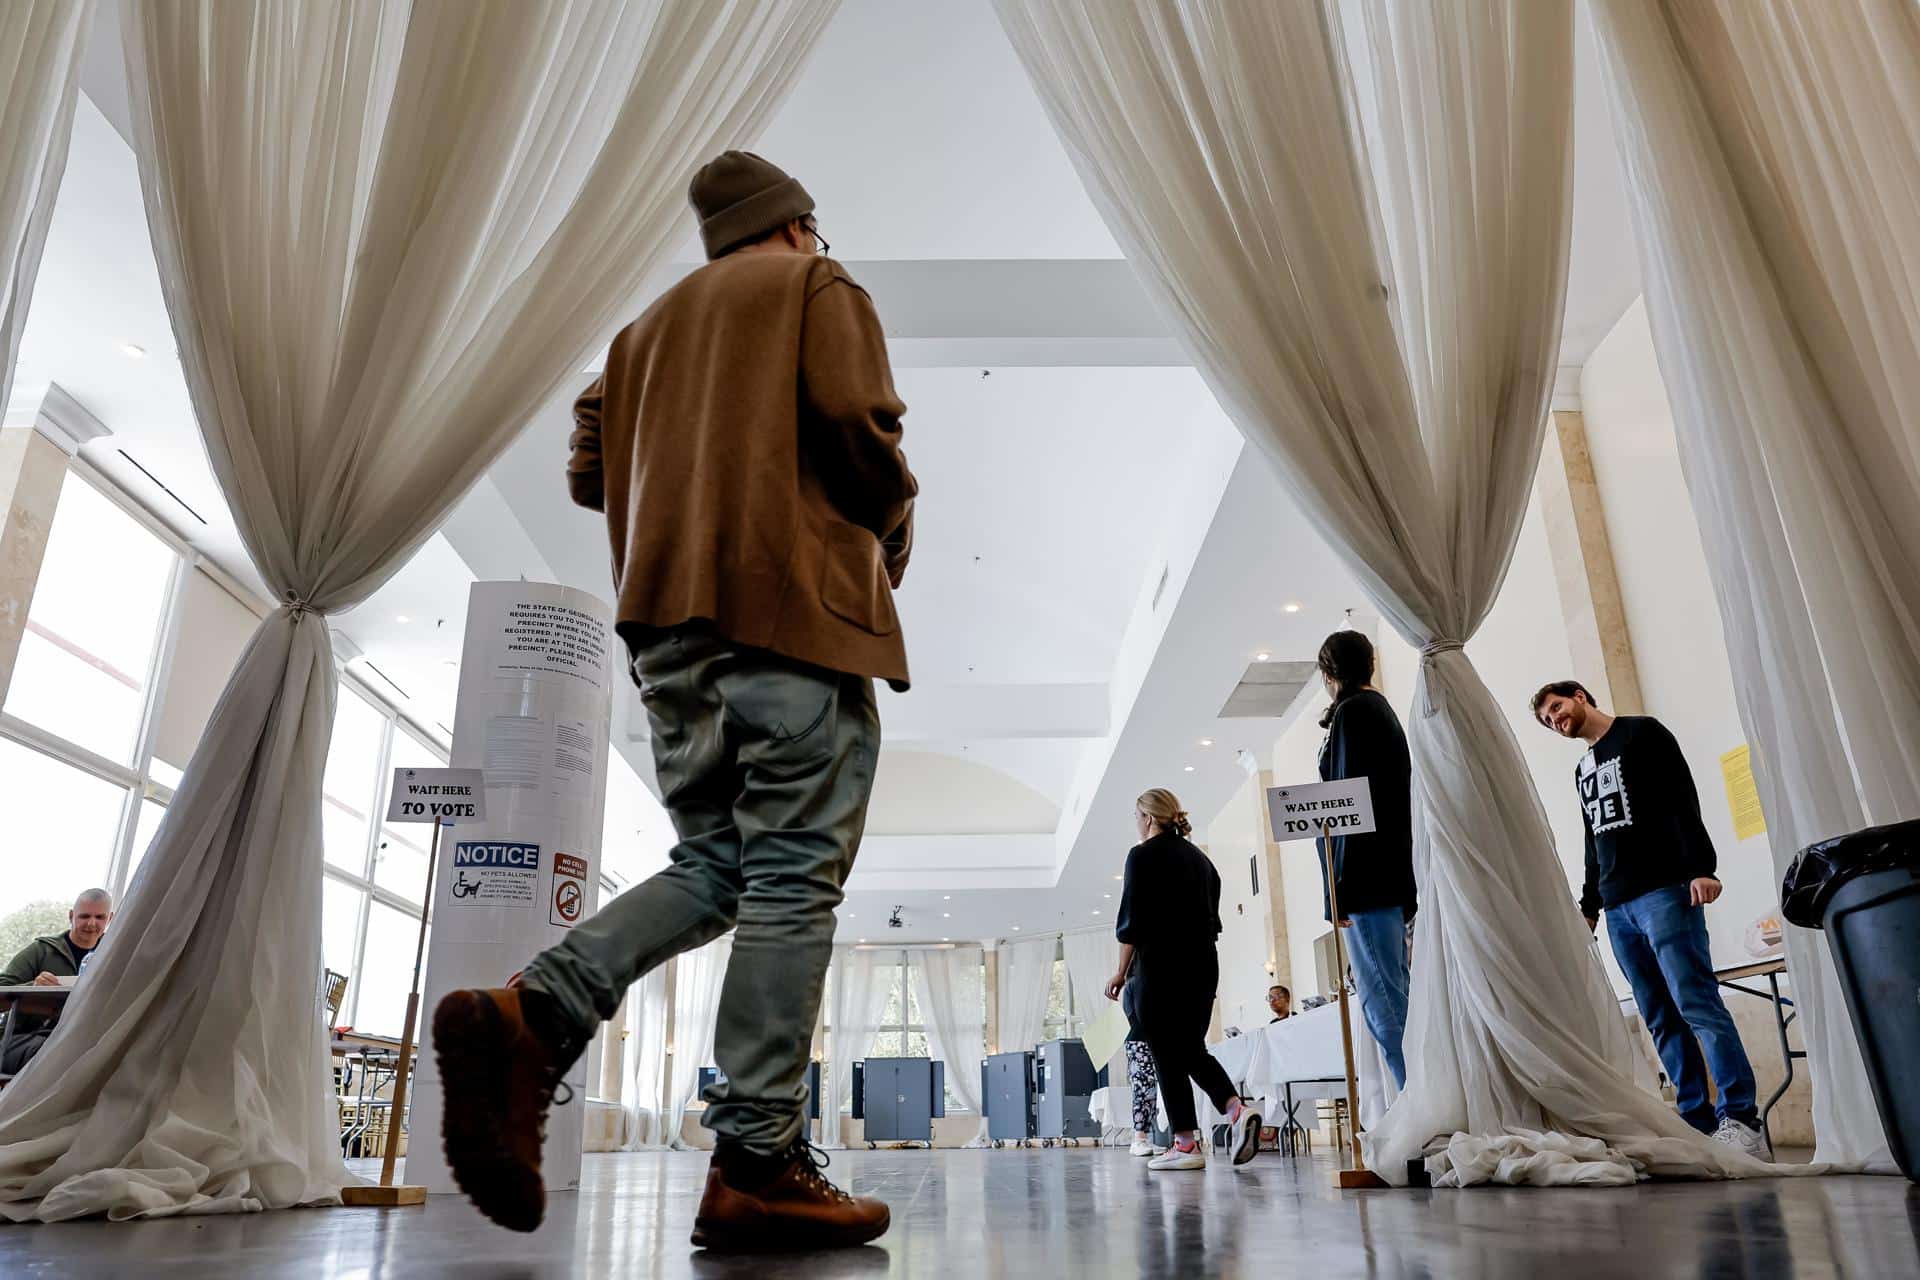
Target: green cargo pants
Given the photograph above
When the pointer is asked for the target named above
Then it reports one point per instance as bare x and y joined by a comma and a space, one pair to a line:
765, 766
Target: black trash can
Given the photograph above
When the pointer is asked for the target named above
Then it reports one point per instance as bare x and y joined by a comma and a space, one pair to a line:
1864, 890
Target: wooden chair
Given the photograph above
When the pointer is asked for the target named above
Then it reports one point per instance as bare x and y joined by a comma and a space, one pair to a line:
333, 994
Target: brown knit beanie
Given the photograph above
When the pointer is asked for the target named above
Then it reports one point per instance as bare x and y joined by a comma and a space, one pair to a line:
740, 197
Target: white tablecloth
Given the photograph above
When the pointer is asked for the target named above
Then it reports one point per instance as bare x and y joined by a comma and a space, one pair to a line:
1303, 1047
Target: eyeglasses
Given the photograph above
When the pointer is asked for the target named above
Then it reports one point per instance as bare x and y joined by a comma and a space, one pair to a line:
812, 228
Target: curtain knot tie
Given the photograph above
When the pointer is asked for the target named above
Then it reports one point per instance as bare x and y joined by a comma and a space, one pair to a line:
1434, 648
294, 605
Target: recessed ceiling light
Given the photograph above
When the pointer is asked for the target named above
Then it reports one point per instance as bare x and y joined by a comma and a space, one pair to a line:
1291, 606
1108, 895
1120, 877
1016, 928
1189, 769
401, 617
946, 939
1206, 742
863, 939
946, 915
1096, 911
134, 350
1263, 656
946, 897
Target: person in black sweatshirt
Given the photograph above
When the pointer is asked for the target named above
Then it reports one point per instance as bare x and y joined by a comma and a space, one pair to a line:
1373, 873
1168, 922
1650, 866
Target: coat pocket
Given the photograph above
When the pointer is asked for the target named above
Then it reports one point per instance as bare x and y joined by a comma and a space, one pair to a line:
854, 580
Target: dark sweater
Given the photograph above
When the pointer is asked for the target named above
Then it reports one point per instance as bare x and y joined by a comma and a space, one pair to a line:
1373, 871
54, 954
1171, 899
1642, 815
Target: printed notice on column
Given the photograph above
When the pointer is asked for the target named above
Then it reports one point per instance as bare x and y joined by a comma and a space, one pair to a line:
552, 640
1743, 797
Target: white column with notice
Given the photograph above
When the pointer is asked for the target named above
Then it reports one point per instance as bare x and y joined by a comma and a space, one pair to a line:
535, 710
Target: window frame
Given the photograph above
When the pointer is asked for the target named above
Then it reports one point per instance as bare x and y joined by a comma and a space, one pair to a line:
135, 781
362, 883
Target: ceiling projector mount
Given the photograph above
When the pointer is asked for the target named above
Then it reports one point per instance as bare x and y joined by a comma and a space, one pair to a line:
894, 921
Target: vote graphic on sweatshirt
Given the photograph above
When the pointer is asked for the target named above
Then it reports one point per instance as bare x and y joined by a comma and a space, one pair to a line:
1603, 794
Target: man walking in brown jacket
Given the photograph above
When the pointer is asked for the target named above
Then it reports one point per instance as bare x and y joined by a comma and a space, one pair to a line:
744, 443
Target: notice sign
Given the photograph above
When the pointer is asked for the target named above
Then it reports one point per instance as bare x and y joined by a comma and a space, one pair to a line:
569, 897
495, 873
1343, 808
445, 796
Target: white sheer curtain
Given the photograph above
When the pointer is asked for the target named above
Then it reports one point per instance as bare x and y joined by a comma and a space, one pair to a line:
1368, 261
698, 976
1771, 163
647, 1033
952, 990
40, 46
1026, 976
1092, 956
860, 988
387, 231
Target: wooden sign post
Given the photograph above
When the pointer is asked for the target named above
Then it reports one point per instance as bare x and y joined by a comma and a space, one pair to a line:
442, 797
1359, 1175
1297, 813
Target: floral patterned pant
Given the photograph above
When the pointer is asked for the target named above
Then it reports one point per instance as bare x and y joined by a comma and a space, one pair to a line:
1145, 1085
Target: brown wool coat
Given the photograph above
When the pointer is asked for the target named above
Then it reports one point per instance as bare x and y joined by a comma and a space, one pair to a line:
744, 443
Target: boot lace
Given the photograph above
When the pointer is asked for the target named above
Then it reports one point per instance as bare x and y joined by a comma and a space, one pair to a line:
813, 1162
554, 1092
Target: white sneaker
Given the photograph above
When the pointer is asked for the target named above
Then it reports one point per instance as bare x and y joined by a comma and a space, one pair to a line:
1743, 1138
1175, 1158
1140, 1148
1244, 1140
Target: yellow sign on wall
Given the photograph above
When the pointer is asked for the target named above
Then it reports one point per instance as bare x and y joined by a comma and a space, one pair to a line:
1743, 797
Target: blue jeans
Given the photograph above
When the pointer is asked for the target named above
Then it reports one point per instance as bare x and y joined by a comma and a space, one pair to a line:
1377, 949
1660, 940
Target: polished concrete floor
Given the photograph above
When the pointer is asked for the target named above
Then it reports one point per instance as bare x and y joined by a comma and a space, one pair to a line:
1060, 1213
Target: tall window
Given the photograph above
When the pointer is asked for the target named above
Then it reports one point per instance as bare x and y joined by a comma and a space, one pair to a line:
902, 1029
902, 1033
76, 730
376, 875
1064, 1021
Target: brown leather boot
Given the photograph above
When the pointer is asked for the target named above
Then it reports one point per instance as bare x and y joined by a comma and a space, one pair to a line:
498, 1075
782, 1203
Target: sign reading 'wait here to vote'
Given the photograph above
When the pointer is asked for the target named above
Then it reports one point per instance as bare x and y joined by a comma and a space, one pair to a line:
445, 796
1301, 812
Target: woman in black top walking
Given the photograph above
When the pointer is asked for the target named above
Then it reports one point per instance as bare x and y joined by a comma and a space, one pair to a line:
1169, 919
1373, 873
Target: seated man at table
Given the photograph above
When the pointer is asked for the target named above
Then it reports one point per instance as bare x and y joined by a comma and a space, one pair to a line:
44, 961
1280, 1000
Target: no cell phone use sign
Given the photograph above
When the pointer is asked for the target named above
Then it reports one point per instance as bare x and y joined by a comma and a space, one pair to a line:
445, 796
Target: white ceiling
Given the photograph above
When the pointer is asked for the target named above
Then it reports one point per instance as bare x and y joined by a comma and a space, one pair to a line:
1056, 488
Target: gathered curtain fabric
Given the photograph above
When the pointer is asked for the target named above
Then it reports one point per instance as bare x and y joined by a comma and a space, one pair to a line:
952, 993
387, 230
647, 1031
861, 982
698, 977
1775, 188
40, 46
1366, 256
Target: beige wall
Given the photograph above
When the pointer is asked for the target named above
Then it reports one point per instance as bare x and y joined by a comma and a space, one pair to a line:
1236, 834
